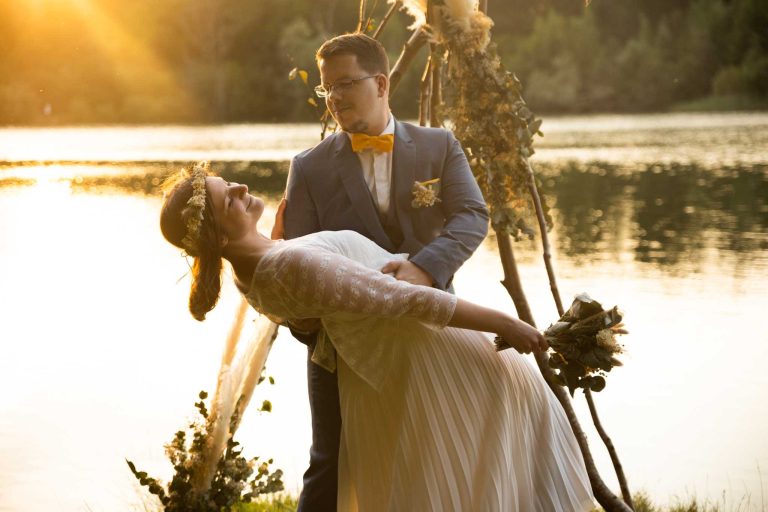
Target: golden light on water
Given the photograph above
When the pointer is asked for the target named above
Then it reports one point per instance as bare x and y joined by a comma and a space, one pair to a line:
709, 140
92, 309
277, 142
45, 174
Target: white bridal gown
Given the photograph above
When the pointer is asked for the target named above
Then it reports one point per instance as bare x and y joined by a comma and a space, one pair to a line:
433, 418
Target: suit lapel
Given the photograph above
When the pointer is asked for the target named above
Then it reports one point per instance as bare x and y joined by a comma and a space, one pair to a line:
358, 192
403, 175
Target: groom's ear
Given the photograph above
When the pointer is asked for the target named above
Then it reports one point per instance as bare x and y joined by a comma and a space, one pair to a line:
382, 81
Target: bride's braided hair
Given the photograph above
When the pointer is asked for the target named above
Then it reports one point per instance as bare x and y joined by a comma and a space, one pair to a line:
198, 238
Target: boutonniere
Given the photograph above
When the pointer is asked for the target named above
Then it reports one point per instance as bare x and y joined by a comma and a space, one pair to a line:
423, 193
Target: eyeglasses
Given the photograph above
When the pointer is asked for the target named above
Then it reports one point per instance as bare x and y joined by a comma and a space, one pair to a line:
323, 91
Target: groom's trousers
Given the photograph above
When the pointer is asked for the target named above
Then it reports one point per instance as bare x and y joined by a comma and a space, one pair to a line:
321, 479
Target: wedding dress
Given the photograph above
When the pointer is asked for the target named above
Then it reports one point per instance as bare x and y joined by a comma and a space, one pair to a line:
433, 418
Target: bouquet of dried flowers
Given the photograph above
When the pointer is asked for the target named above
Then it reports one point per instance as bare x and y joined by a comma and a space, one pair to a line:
584, 344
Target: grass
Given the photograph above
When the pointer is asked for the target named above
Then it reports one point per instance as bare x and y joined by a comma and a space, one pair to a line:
722, 103
643, 503
277, 503
274, 503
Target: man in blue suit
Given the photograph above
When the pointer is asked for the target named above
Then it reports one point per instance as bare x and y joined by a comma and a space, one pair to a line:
361, 179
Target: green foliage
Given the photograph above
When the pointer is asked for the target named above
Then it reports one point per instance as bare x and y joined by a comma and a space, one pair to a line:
749, 78
180, 61
233, 483
278, 504
722, 103
639, 56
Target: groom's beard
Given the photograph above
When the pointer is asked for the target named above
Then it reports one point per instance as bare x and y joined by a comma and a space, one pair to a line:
356, 127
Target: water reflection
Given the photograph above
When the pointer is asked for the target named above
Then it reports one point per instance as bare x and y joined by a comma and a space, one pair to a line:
265, 178
142, 177
683, 210
670, 215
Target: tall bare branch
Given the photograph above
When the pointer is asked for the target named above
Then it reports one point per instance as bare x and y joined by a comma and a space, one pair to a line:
410, 49
369, 17
395, 6
625, 494
361, 15
546, 249
436, 89
425, 91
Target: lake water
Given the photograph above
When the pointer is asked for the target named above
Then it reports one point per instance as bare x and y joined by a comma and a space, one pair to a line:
664, 215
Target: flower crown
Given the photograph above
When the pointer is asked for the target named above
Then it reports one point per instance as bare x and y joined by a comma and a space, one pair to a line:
196, 206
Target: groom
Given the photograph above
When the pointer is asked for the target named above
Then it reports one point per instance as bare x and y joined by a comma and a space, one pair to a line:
361, 179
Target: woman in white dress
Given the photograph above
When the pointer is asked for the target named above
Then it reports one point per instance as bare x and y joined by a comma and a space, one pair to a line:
433, 419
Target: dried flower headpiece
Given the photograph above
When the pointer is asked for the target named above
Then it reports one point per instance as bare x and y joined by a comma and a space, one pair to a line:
196, 206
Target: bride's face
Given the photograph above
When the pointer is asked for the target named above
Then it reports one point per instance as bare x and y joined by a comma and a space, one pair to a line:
236, 211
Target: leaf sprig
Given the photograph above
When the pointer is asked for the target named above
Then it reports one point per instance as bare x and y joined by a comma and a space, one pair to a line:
234, 480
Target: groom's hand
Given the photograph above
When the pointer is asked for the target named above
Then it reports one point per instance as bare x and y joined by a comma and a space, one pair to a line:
409, 272
278, 230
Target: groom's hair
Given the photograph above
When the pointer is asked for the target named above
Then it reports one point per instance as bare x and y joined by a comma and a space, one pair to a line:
371, 55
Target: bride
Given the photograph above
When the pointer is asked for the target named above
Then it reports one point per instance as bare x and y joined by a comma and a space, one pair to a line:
433, 419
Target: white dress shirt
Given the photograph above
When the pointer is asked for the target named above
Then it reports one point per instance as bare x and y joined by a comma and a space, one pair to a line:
377, 171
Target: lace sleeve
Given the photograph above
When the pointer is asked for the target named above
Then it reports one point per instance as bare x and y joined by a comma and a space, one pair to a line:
299, 282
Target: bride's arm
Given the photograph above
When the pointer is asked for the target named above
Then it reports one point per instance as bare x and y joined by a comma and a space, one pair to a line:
518, 334
302, 282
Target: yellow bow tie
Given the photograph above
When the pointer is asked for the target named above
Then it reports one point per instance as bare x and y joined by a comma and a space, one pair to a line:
381, 143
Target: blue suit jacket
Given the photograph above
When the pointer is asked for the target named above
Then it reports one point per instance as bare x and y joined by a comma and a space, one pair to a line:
326, 191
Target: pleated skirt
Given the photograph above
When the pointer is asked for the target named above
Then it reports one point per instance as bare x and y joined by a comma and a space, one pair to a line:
457, 427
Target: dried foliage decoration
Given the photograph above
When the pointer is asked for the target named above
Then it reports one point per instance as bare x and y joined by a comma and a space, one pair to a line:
492, 121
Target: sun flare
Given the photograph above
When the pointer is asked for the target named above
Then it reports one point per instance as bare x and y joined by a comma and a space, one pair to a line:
43, 4
65, 31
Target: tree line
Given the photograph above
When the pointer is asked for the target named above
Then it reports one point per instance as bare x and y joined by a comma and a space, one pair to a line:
213, 61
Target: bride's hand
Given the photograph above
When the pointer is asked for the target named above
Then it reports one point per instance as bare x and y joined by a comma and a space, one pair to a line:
519, 335
522, 337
